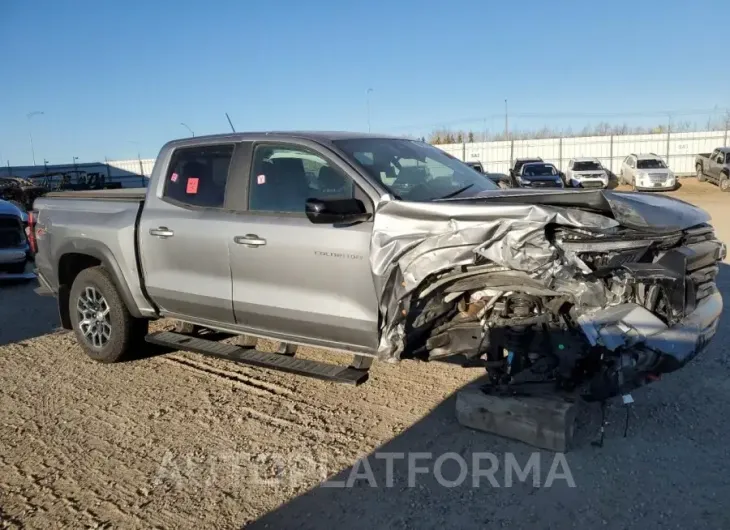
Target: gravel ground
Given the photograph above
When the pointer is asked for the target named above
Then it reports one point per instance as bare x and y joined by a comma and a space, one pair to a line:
185, 441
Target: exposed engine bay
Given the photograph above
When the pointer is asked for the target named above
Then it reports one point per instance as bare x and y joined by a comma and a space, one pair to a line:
595, 301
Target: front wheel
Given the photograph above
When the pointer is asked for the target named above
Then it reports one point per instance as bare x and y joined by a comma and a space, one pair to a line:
725, 183
700, 174
101, 321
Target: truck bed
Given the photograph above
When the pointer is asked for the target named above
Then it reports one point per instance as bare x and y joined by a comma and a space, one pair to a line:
122, 194
101, 224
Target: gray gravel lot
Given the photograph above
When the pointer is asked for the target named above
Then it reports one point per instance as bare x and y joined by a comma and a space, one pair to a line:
185, 441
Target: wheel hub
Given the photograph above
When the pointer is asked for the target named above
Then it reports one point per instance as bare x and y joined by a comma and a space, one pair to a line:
94, 317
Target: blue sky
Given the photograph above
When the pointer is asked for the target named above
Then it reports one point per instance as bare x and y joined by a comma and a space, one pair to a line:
116, 78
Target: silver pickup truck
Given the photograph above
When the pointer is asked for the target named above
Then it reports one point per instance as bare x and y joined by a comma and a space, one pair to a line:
386, 248
715, 167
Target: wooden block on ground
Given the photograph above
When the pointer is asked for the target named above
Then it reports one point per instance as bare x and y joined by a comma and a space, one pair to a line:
547, 423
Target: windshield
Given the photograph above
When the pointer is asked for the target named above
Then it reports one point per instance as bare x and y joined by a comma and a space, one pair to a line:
539, 170
651, 163
586, 166
413, 170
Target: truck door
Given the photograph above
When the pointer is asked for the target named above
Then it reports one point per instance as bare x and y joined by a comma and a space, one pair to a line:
291, 277
716, 163
183, 250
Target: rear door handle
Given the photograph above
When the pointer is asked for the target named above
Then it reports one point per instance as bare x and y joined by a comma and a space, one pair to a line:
250, 240
162, 232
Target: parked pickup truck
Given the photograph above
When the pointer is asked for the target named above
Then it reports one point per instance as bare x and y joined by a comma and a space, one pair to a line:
714, 167
303, 238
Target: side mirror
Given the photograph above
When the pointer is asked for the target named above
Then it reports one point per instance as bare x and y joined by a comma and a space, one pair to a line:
335, 211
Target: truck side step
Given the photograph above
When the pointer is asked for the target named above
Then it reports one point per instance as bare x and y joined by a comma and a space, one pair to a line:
274, 361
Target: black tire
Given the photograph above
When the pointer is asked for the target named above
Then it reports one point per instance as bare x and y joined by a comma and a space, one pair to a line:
700, 175
125, 332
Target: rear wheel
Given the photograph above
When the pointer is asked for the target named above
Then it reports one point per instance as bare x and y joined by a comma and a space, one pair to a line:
700, 175
101, 321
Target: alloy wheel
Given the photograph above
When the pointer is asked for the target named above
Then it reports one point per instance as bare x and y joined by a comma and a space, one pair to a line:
94, 317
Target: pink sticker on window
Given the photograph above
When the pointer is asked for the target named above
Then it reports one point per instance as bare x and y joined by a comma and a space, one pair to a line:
192, 186
173, 177
261, 179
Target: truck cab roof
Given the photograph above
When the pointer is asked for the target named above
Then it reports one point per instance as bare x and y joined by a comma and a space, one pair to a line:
316, 136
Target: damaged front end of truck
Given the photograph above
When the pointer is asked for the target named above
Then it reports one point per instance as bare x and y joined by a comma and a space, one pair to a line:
594, 292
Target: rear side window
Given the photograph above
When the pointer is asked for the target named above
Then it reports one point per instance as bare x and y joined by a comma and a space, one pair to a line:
197, 175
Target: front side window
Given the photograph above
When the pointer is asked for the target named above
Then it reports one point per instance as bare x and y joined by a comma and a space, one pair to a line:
414, 170
197, 175
283, 178
651, 163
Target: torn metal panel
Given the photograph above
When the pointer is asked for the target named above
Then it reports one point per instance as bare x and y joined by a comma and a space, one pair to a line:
411, 241
547, 289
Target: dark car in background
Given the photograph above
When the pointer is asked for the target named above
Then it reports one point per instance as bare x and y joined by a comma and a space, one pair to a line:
500, 179
519, 162
538, 175
15, 249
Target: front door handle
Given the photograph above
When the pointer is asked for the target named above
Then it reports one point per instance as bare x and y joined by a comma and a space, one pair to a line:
162, 232
250, 240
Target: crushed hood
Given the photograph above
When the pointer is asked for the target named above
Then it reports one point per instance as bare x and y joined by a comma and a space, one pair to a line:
639, 211
412, 240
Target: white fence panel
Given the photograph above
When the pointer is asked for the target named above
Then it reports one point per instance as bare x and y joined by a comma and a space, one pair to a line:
677, 149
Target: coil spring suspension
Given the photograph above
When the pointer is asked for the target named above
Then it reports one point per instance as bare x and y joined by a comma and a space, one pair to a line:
517, 339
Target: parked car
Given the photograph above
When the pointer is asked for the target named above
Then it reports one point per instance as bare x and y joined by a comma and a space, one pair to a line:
714, 167
647, 171
514, 170
21, 192
500, 179
586, 173
229, 236
476, 166
15, 249
538, 175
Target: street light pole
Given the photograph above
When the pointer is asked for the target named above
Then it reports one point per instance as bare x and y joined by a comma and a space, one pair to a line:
368, 103
30, 133
506, 121
188, 128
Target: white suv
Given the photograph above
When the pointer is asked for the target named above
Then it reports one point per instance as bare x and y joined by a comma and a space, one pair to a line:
647, 172
586, 173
